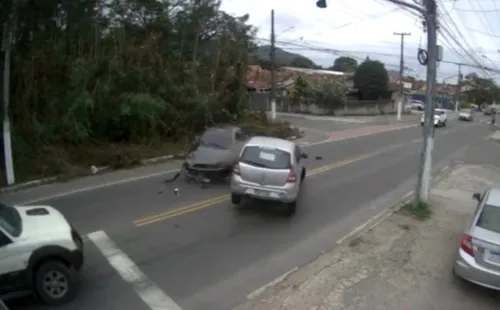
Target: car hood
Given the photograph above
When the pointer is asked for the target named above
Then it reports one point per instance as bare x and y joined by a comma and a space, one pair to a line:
42, 220
465, 114
205, 155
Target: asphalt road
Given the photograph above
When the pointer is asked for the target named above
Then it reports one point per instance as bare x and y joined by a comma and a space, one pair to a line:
204, 254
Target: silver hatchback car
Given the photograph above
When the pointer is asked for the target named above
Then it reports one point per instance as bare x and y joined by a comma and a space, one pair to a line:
269, 169
478, 259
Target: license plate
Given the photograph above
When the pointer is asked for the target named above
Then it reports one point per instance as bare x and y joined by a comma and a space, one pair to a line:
493, 257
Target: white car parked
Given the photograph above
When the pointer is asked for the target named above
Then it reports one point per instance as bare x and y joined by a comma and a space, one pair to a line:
440, 118
465, 115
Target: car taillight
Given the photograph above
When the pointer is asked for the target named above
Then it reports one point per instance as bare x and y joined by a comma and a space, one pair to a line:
236, 169
292, 177
466, 245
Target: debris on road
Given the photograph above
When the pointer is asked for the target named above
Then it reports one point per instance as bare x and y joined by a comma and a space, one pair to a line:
403, 263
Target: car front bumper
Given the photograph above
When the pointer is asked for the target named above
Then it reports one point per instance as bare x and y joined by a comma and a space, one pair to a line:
285, 194
466, 268
436, 122
210, 174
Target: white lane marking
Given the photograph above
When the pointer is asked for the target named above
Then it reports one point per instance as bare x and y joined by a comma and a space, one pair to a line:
143, 177
3, 306
149, 292
147, 176
279, 279
94, 187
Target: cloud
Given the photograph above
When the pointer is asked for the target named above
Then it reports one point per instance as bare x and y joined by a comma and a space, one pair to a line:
366, 27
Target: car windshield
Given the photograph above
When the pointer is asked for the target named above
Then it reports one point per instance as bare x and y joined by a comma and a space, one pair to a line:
489, 219
10, 220
217, 138
439, 112
270, 158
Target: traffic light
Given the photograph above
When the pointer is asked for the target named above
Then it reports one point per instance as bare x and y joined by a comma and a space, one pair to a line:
321, 4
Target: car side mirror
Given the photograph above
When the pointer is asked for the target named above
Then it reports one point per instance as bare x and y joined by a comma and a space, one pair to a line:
477, 196
304, 155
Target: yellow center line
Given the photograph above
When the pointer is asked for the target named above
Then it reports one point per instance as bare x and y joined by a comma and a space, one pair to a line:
181, 210
219, 199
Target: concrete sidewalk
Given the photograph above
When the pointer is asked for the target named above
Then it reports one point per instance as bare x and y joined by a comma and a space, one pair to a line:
403, 263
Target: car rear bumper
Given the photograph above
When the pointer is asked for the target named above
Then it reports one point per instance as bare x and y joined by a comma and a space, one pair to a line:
466, 268
282, 194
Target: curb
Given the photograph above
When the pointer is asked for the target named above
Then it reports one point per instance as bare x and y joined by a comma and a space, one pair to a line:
96, 170
93, 171
382, 216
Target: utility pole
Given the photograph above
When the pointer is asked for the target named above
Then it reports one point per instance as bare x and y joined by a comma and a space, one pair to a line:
273, 68
7, 148
459, 86
425, 171
401, 71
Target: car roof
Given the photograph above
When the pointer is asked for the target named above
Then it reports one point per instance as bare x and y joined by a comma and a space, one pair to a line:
272, 142
493, 197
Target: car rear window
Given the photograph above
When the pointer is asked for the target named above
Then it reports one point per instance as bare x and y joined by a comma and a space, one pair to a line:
270, 158
489, 219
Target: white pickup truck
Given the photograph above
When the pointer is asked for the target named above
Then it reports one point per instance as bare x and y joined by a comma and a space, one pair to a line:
440, 118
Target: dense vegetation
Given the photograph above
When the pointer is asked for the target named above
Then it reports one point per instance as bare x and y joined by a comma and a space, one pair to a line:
371, 80
94, 81
479, 90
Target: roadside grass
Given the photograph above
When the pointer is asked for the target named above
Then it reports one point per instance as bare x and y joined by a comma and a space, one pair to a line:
70, 161
421, 212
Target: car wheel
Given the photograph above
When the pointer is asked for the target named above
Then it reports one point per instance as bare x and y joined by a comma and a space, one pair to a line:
55, 283
235, 199
290, 208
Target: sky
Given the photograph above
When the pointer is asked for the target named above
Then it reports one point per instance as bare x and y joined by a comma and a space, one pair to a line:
469, 32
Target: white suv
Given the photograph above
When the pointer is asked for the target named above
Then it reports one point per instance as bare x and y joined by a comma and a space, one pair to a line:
40, 253
440, 118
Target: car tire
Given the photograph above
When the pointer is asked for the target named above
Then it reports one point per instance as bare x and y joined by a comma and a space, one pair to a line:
67, 282
236, 199
290, 209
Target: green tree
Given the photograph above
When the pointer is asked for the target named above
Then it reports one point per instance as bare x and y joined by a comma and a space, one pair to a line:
303, 62
300, 89
371, 80
345, 64
329, 94
90, 73
480, 90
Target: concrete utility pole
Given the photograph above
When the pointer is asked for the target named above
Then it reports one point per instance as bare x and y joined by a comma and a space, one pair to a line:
273, 68
7, 148
401, 71
459, 85
425, 173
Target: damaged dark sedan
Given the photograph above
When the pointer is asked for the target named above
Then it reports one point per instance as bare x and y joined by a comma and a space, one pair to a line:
214, 154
